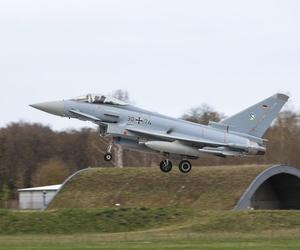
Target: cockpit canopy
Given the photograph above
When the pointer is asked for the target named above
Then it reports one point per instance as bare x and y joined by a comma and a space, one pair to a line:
99, 99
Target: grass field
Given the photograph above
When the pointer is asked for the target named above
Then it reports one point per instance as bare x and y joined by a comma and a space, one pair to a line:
181, 229
151, 240
91, 243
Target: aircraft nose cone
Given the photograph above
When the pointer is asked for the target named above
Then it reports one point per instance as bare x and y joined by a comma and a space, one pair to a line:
55, 108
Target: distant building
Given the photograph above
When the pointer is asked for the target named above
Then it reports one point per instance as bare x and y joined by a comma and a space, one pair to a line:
36, 198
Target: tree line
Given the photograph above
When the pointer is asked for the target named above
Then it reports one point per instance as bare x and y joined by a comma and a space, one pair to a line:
34, 154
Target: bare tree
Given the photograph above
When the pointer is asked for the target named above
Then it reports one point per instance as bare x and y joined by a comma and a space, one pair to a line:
5, 195
202, 114
122, 95
54, 171
284, 139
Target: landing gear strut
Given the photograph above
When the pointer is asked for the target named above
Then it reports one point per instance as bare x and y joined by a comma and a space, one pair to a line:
185, 166
166, 166
108, 156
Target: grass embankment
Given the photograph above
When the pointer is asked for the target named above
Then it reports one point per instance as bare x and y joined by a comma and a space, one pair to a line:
70, 221
205, 188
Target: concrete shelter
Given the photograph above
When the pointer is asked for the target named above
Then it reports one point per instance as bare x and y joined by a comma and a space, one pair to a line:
36, 198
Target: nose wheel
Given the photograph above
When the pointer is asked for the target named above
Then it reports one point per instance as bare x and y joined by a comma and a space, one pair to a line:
108, 156
185, 166
165, 166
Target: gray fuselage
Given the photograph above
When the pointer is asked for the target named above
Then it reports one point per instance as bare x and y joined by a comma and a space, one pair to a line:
118, 119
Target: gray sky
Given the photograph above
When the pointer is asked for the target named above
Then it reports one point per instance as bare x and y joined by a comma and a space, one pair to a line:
170, 55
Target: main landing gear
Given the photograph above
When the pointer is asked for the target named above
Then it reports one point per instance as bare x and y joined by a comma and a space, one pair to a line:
108, 156
165, 166
184, 166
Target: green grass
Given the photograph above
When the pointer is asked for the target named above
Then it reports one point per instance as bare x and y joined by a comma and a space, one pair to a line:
160, 228
244, 222
205, 188
128, 241
70, 221
74, 221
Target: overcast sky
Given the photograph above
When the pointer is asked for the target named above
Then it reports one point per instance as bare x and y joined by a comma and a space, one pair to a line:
170, 55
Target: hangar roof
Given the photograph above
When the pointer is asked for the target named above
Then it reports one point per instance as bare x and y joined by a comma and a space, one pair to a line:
43, 188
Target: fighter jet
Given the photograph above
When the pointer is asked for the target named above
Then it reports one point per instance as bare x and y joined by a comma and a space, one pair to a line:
138, 129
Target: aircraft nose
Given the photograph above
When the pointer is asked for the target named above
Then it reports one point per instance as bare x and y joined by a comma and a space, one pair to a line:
55, 108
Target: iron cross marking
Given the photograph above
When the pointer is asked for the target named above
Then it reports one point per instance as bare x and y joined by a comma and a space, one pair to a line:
139, 120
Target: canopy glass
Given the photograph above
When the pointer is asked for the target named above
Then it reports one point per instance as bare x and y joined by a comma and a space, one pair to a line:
99, 99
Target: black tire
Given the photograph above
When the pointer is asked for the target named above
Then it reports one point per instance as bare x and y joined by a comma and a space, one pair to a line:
108, 157
165, 166
185, 166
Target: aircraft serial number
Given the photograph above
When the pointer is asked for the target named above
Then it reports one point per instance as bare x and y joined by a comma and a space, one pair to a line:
139, 120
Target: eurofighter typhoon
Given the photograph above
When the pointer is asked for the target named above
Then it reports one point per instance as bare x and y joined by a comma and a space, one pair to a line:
138, 129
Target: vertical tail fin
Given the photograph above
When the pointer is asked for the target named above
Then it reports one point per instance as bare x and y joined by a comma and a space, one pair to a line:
256, 119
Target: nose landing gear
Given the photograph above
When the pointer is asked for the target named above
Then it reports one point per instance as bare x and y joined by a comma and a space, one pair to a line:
108, 156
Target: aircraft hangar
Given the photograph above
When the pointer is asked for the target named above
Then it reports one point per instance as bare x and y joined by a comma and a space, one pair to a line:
207, 188
278, 187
